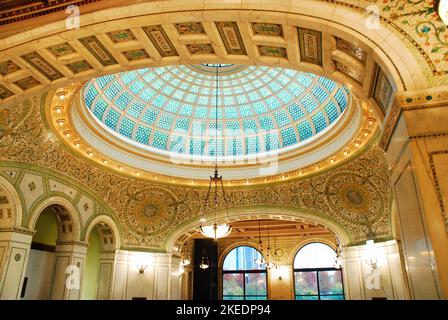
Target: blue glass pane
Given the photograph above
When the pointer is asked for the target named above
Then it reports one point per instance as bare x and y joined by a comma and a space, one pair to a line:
142, 134
319, 121
288, 136
126, 127
112, 118
160, 139
99, 108
305, 130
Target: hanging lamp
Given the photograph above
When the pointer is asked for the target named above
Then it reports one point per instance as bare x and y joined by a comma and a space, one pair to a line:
185, 255
260, 259
269, 263
215, 230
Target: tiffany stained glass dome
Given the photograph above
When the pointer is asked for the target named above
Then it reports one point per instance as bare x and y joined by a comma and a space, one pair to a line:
172, 109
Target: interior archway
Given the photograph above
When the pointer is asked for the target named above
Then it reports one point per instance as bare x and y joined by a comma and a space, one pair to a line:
69, 222
53, 227
190, 228
103, 240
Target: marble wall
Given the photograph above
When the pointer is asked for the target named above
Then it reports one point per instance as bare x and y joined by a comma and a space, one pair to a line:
418, 160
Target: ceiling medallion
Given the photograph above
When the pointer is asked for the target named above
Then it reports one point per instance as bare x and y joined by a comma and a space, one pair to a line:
150, 210
215, 230
354, 197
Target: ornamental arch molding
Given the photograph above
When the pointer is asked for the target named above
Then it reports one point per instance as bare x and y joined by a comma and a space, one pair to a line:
109, 232
185, 230
66, 212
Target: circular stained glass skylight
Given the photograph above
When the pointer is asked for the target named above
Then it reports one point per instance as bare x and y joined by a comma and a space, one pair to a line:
172, 109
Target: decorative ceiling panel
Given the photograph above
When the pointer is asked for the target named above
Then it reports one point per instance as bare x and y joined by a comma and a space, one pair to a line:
98, 50
267, 29
190, 28
310, 42
43, 66
231, 37
161, 41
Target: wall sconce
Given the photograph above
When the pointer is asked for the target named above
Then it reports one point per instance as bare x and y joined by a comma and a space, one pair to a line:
142, 269
140, 261
371, 258
181, 270
204, 261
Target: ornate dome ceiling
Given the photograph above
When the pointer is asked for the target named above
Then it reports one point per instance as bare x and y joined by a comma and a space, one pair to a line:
170, 110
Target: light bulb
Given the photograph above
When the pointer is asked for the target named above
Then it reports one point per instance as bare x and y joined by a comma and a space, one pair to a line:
185, 261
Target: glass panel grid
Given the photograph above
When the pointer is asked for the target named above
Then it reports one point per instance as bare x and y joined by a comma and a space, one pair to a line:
257, 98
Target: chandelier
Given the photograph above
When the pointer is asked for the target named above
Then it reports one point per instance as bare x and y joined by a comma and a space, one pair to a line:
216, 194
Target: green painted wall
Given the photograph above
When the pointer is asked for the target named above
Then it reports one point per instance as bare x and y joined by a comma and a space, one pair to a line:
47, 229
92, 271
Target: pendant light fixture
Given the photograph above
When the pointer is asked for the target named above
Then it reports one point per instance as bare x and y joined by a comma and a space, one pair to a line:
338, 257
185, 255
216, 194
260, 259
269, 263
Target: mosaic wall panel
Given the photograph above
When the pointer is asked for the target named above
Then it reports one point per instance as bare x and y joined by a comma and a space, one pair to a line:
310, 43
351, 49
79, 66
138, 54
121, 36
26, 83
42, 65
61, 50
231, 37
200, 48
8, 67
382, 90
5, 93
272, 51
351, 72
190, 28
97, 49
267, 29
161, 41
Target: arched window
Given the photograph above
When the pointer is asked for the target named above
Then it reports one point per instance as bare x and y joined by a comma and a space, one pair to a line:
242, 277
315, 277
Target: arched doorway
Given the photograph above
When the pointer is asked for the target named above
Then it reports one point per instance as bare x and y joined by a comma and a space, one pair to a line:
103, 241
54, 226
315, 274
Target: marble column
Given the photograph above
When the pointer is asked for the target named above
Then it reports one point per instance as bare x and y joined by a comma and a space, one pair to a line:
416, 142
70, 258
15, 246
